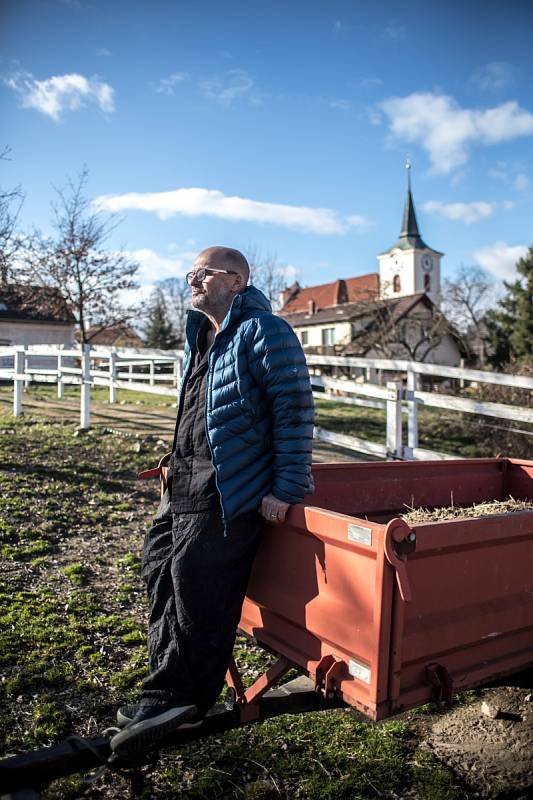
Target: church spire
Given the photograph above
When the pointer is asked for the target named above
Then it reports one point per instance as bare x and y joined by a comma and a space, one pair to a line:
410, 231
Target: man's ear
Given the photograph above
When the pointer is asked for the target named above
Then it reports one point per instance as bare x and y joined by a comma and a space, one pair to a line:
238, 283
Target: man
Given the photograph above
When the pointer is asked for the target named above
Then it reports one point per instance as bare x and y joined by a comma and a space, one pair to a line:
241, 453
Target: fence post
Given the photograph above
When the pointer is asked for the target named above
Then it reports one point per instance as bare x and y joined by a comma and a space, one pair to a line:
112, 375
60, 387
412, 411
152, 372
394, 418
462, 366
19, 377
85, 402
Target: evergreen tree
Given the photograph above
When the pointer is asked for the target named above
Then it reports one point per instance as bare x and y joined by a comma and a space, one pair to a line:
159, 331
511, 324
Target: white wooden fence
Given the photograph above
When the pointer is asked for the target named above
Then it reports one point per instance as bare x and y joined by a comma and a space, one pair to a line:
160, 371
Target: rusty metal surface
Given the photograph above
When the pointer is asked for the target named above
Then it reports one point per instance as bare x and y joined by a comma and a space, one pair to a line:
344, 587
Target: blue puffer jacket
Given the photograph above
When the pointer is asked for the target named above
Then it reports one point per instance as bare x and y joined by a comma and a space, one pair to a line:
259, 405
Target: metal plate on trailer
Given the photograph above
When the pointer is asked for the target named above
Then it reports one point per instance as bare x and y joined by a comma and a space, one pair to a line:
359, 670
357, 533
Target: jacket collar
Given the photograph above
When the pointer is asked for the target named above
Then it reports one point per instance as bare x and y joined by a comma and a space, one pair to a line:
250, 300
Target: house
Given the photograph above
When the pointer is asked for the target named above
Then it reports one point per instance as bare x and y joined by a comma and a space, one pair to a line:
118, 335
34, 315
391, 314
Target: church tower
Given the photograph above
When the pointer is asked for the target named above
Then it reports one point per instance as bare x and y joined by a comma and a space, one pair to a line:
410, 266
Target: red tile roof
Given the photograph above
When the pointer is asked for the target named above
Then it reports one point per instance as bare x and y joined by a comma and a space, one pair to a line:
349, 290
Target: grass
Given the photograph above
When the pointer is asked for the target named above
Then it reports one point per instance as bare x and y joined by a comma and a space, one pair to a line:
99, 394
452, 432
72, 642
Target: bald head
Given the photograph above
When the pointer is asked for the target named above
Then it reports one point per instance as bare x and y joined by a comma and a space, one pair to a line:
227, 258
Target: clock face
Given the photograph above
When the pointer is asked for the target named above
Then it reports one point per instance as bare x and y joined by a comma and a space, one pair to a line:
427, 263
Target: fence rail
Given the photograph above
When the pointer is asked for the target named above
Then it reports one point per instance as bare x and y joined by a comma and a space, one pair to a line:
120, 368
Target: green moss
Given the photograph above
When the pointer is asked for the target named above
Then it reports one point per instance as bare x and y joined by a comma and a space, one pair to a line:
77, 574
431, 779
131, 562
40, 563
323, 755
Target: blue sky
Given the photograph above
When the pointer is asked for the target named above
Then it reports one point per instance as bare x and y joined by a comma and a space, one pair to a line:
279, 125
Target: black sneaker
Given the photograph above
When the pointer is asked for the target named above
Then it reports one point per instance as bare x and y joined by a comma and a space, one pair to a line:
149, 726
125, 714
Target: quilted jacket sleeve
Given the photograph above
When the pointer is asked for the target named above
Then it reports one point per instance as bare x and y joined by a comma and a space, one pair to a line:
278, 365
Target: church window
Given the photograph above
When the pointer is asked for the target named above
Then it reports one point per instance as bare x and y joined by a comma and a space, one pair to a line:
396, 284
427, 283
328, 336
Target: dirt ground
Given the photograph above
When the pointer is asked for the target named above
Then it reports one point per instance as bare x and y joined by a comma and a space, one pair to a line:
491, 757
140, 421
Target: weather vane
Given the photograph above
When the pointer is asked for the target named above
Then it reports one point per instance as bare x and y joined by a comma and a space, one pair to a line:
408, 168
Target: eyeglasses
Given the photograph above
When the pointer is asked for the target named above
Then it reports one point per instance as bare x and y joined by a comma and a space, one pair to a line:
201, 273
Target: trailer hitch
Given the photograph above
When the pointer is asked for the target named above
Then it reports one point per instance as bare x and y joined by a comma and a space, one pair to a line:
328, 674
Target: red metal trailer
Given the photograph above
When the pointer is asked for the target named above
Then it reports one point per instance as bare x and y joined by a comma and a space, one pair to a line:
383, 616
391, 615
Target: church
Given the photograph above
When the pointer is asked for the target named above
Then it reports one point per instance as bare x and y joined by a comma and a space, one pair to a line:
393, 313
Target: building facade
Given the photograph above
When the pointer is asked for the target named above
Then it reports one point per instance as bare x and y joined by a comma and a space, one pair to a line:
391, 314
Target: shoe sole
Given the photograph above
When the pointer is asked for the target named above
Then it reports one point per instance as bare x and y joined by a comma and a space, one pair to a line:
141, 736
123, 720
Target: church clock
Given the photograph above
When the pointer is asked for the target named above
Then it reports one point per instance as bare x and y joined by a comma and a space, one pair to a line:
427, 263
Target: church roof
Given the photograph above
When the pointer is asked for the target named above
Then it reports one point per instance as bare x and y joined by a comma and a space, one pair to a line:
336, 293
410, 235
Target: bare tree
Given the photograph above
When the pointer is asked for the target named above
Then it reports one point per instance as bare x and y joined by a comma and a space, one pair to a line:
383, 327
76, 262
10, 241
465, 301
267, 274
177, 297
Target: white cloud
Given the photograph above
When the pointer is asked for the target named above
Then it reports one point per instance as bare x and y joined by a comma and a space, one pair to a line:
495, 75
104, 52
154, 267
500, 171
466, 212
337, 25
446, 131
166, 85
237, 83
61, 92
394, 32
359, 221
341, 105
369, 83
521, 182
500, 259
214, 203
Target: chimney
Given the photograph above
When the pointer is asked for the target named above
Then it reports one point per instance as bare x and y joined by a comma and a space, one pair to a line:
287, 294
311, 307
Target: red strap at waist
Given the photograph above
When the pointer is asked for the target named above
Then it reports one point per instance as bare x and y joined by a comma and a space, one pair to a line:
150, 473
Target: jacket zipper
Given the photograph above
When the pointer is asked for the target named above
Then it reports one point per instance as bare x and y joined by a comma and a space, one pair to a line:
207, 392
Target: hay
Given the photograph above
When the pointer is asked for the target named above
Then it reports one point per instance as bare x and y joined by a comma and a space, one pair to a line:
415, 516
